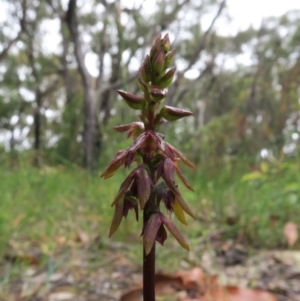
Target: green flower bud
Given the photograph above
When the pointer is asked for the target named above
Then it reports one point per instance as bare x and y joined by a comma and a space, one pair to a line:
145, 70
169, 57
167, 78
133, 101
158, 62
165, 42
172, 113
142, 85
157, 94
155, 46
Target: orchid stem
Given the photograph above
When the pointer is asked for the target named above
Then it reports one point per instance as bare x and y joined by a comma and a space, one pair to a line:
149, 273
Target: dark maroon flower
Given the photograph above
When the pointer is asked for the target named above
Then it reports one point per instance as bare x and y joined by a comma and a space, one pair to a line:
168, 176
144, 185
134, 129
115, 163
170, 151
126, 203
139, 178
154, 231
130, 203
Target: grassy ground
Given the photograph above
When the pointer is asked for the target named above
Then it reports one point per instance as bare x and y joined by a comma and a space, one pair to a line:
60, 217
51, 207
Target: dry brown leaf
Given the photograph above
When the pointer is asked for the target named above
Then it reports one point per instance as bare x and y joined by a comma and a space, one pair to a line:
167, 284
290, 232
203, 288
194, 277
215, 292
133, 295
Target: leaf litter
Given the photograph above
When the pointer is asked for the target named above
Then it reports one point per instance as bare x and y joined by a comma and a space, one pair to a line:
91, 269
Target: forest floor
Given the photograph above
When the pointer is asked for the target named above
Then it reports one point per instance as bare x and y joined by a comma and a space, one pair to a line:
54, 246
103, 270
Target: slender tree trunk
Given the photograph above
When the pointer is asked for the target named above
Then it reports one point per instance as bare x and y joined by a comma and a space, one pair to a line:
91, 134
37, 122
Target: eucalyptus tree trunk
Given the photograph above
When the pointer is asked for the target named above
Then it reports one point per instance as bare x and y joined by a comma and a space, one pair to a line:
91, 131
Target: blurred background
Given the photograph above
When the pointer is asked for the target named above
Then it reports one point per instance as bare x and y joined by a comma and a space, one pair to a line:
238, 70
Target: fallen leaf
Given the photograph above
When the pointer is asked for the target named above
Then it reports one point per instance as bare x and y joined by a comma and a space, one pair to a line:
194, 285
290, 232
215, 292
133, 295
167, 284
192, 278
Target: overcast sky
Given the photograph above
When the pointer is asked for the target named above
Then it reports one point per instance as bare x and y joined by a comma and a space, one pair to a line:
247, 12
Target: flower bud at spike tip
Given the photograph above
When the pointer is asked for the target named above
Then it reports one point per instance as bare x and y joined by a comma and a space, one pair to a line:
172, 113
133, 101
155, 46
158, 62
165, 42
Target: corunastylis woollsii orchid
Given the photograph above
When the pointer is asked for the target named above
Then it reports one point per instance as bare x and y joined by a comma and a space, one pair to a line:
151, 184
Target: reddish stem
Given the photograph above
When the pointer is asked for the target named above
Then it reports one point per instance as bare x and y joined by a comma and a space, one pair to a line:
149, 273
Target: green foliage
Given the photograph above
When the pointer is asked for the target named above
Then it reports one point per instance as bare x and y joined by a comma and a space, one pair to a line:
276, 184
43, 205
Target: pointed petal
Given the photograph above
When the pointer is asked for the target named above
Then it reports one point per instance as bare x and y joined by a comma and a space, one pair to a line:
124, 187
138, 142
130, 203
117, 217
182, 178
129, 159
161, 235
134, 129
136, 210
168, 151
179, 212
175, 232
123, 127
184, 206
161, 144
181, 156
115, 164
144, 186
150, 231
168, 175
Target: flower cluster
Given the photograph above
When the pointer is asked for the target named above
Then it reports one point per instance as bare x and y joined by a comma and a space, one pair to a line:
152, 183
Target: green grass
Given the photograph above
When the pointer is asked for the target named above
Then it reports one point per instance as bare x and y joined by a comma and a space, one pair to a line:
47, 208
